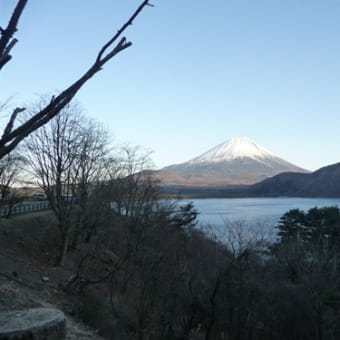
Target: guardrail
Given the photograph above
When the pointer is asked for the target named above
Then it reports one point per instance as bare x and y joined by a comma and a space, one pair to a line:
25, 208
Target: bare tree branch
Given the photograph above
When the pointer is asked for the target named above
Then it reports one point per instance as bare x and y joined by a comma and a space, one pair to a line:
119, 33
11, 121
6, 41
10, 140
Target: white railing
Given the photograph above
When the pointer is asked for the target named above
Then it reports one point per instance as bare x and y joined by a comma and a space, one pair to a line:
24, 208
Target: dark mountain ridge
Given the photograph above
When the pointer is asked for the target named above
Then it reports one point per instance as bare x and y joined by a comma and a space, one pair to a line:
324, 182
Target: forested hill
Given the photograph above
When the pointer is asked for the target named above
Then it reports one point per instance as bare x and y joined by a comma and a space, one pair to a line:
324, 182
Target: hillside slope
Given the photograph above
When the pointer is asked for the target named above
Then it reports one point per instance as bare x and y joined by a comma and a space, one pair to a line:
28, 278
324, 182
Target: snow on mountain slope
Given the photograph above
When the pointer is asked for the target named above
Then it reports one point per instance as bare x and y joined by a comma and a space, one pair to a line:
236, 161
232, 149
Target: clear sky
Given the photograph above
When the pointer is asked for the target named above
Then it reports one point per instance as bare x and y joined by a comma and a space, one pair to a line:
198, 73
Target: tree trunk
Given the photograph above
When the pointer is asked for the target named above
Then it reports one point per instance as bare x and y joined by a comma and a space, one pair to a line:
66, 238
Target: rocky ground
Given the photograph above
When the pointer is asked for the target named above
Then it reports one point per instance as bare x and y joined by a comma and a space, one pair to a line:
28, 275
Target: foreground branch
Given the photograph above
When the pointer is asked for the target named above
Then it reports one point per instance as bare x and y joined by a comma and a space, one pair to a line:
7, 41
11, 138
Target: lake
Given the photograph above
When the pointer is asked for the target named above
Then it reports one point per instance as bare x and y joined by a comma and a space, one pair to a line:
259, 214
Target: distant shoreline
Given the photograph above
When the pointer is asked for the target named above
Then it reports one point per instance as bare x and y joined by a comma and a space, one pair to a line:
241, 191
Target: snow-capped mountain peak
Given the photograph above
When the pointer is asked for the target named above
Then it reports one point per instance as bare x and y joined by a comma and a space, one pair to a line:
234, 162
234, 148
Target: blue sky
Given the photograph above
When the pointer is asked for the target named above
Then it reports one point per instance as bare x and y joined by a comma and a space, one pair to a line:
198, 73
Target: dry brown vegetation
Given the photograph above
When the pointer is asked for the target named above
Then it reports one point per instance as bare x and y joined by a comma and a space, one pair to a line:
151, 275
28, 275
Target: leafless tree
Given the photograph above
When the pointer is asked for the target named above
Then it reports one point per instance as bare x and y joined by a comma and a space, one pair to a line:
13, 133
88, 175
11, 166
53, 154
130, 186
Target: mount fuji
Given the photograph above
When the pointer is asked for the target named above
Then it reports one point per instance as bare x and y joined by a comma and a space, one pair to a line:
238, 161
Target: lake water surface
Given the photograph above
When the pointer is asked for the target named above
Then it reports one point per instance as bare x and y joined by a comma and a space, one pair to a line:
260, 212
